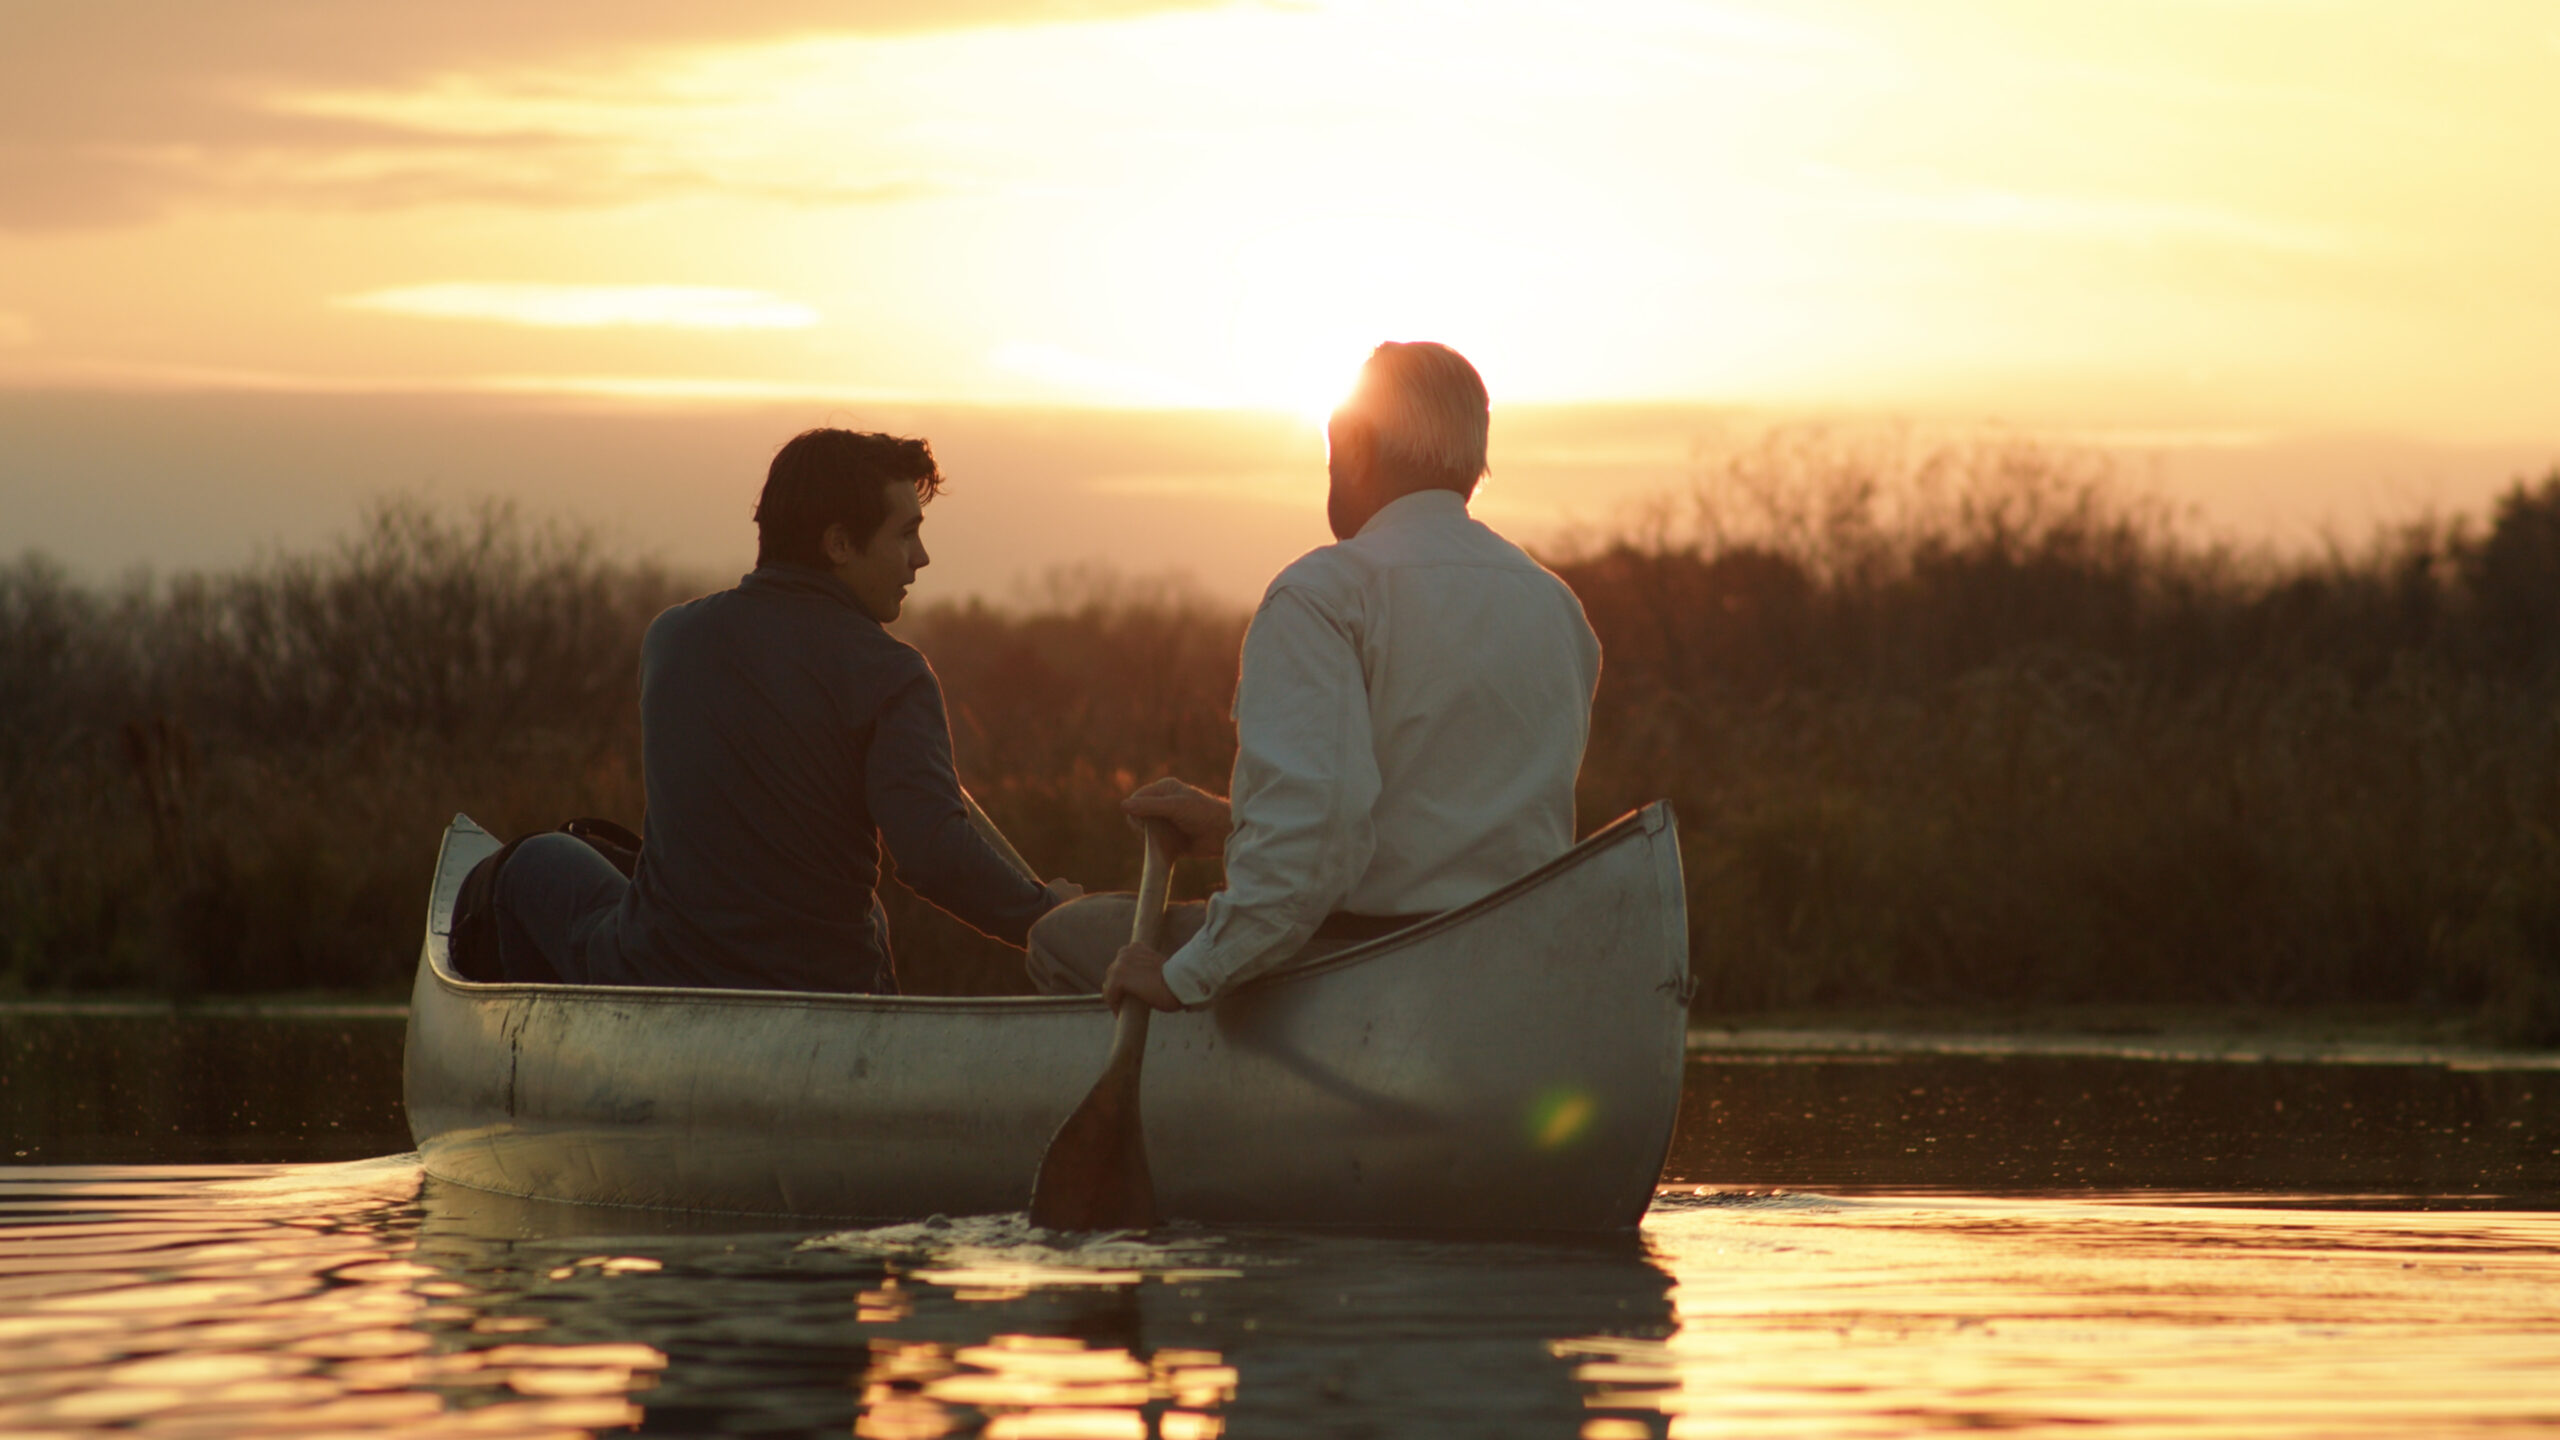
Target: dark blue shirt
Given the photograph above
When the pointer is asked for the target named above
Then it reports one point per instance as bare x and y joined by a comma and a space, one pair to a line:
785, 736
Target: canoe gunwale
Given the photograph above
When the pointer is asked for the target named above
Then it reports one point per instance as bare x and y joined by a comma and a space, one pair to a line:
1648, 819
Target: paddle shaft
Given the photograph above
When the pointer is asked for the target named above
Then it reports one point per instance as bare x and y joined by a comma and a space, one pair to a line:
988, 832
1094, 1174
1146, 927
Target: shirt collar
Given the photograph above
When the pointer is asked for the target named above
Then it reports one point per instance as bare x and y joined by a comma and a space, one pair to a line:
1422, 507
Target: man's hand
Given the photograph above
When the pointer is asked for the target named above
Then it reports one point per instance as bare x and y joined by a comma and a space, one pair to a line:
1138, 971
1201, 818
1062, 890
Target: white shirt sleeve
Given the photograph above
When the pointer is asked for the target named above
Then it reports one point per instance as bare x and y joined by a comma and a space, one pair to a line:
1306, 780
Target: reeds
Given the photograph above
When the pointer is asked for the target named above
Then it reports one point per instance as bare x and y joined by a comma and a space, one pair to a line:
1967, 729
235, 783
1945, 727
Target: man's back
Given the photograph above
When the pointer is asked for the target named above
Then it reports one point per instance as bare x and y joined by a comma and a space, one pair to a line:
1479, 669
784, 732
1410, 718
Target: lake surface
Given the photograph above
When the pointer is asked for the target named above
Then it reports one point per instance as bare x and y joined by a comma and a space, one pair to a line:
1849, 1243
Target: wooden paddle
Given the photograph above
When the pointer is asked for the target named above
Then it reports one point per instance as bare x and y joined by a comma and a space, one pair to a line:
994, 837
1094, 1176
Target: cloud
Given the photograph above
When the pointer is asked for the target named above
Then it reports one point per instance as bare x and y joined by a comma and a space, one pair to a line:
144, 378
112, 111
1095, 380
579, 307
661, 390
1287, 489
2022, 212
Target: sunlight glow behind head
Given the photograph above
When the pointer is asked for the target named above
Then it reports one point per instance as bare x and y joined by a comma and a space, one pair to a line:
1425, 405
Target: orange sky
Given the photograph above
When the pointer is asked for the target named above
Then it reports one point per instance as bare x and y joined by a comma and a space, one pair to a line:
2236, 222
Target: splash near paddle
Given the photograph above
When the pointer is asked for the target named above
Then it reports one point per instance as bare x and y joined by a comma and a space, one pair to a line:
1094, 1176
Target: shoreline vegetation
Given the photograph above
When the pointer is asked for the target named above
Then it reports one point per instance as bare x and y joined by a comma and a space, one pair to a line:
1958, 730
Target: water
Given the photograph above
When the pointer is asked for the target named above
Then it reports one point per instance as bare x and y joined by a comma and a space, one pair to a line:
110, 1084
1949, 1242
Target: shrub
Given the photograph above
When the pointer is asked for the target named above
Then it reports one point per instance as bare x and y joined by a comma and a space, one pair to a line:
1954, 726
1974, 731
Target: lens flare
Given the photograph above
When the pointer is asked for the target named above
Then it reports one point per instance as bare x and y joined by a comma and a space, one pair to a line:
1560, 1116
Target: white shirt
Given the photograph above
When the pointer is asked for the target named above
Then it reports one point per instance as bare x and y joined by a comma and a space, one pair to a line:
1410, 717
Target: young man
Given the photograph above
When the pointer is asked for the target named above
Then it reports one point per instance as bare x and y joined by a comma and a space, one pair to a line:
784, 736
1409, 721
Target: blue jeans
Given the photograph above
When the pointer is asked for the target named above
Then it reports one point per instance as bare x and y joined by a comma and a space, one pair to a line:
553, 894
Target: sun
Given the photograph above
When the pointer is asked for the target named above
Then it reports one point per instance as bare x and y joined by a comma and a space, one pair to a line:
1308, 387
1311, 300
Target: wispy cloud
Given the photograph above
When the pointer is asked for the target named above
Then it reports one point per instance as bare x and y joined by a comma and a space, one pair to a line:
113, 111
583, 307
655, 390
690, 389
2062, 215
1093, 379
1288, 489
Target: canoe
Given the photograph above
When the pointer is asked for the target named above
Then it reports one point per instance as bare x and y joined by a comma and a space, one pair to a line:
1511, 1065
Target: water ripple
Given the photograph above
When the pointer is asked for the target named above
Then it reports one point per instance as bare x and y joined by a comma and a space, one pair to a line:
358, 1298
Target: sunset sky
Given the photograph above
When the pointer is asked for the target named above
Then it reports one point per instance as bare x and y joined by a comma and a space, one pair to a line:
258, 249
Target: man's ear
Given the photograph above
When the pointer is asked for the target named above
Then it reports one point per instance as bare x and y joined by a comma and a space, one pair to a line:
1353, 448
837, 544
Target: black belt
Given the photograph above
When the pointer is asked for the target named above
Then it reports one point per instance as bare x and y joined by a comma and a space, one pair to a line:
1343, 925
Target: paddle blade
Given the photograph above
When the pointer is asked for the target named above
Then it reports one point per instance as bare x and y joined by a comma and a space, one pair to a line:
1095, 1175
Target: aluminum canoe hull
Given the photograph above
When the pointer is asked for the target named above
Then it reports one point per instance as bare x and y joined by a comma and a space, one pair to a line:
1515, 1064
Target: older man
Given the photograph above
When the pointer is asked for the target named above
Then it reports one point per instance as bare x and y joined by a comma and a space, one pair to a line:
1410, 718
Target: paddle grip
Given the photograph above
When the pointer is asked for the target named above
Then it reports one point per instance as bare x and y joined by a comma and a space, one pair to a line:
1155, 885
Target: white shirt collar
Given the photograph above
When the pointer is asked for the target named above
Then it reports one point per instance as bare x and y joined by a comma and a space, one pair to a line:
1420, 507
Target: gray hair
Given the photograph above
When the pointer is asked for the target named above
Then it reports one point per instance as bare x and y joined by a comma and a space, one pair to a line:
1427, 407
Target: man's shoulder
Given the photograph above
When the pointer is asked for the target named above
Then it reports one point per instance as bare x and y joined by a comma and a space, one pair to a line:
1327, 573
1336, 576
1488, 546
744, 621
681, 622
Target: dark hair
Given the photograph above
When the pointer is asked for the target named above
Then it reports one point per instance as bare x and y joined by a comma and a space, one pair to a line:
834, 477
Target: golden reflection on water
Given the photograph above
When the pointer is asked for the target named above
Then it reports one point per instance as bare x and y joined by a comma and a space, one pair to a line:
265, 1299
246, 1299
346, 1299
1881, 1316
1040, 1385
